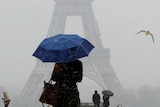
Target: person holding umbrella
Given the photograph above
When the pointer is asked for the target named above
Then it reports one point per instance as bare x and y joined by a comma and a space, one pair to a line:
106, 96
65, 50
66, 75
106, 101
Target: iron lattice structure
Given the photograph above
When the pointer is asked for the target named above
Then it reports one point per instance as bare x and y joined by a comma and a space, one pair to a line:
96, 67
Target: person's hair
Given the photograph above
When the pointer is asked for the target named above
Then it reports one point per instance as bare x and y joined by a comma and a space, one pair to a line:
95, 91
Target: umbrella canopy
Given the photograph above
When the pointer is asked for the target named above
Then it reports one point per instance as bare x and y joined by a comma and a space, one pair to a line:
63, 48
107, 93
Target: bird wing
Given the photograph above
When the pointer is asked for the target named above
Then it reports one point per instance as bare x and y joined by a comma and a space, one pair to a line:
141, 31
152, 36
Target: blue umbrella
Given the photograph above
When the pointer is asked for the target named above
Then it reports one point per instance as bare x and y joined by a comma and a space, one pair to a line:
63, 48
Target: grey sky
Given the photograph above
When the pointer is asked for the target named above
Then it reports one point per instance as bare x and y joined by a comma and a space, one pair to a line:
135, 59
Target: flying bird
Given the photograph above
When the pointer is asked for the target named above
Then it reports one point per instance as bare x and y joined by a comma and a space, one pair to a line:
147, 34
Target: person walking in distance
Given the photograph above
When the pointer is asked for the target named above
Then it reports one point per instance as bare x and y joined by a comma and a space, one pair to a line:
96, 99
106, 101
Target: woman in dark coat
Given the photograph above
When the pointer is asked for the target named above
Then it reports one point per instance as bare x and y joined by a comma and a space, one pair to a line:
66, 75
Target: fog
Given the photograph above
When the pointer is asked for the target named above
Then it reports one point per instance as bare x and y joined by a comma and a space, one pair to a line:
135, 59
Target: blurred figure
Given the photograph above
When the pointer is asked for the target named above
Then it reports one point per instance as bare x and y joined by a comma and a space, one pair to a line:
6, 100
66, 75
106, 101
96, 99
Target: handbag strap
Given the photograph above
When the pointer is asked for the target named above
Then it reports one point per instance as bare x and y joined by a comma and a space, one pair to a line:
42, 104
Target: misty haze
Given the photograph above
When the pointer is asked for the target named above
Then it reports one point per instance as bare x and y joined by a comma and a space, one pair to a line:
125, 63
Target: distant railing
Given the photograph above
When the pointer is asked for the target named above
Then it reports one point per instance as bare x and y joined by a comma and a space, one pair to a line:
88, 105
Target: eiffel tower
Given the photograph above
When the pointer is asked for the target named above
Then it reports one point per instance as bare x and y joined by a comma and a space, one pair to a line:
96, 66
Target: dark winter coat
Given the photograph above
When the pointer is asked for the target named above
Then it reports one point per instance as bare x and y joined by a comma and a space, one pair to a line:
96, 98
71, 73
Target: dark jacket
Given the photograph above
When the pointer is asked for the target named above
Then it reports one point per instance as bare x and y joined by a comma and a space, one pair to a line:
96, 98
71, 74
106, 101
